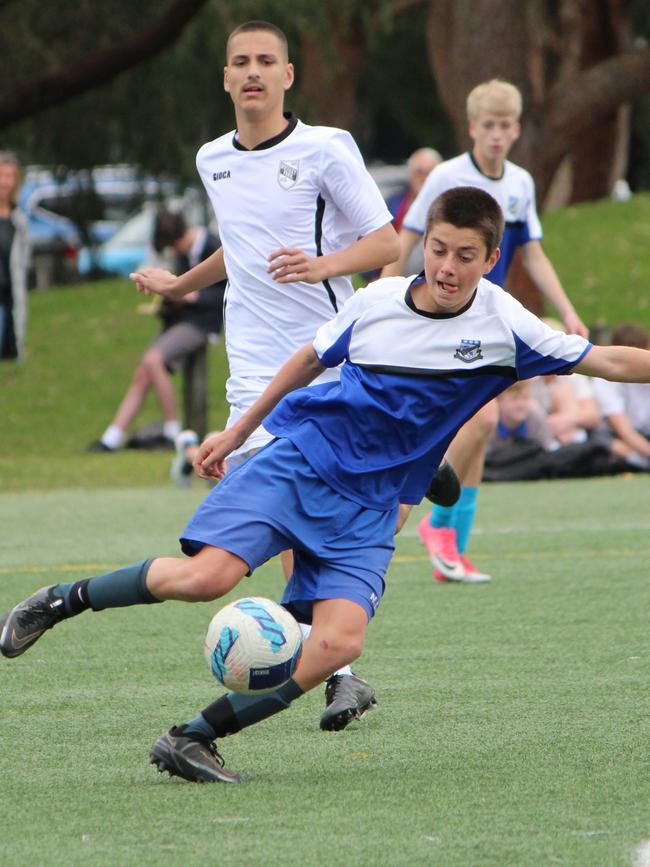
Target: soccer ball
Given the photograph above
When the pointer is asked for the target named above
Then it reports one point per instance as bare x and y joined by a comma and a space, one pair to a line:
253, 645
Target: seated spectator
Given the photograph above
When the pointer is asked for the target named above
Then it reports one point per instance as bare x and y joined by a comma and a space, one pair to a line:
569, 407
186, 327
626, 406
544, 438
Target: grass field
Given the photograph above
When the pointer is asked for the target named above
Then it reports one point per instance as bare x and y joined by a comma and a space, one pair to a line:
513, 719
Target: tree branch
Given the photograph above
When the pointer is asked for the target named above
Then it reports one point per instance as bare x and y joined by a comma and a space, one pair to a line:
62, 84
598, 91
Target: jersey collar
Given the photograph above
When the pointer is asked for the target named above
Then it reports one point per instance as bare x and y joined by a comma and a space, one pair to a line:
270, 142
478, 169
408, 298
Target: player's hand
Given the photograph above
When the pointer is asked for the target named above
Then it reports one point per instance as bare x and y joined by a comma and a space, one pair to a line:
573, 324
209, 461
290, 265
156, 280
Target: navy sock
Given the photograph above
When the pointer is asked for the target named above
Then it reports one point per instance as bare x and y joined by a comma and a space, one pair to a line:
75, 596
233, 712
121, 587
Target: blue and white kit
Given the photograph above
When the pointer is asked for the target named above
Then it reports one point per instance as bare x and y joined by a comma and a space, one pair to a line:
408, 381
514, 191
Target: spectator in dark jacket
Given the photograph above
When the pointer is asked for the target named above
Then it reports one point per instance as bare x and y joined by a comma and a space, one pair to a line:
14, 260
187, 326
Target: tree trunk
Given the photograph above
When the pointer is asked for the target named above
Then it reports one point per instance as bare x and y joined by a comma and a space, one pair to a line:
574, 67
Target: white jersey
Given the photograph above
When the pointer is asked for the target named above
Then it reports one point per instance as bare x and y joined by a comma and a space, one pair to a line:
306, 188
625, 398
514, 191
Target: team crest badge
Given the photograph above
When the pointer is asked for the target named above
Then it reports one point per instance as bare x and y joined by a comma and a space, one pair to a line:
512, 205
468, 351
288, 173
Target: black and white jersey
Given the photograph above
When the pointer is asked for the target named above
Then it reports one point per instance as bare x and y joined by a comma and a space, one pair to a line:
306, 188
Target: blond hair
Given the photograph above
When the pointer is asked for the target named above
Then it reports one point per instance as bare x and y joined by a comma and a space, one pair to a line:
495, 96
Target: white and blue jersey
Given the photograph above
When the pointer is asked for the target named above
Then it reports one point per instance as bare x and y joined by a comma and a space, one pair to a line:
410, 380
514, 191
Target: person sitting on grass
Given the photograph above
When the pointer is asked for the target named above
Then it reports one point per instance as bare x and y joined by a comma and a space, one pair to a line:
418, 356
186, 327
626, 407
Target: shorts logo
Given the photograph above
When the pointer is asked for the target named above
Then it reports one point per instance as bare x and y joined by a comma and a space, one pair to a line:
220, 176
288, 173
468, 351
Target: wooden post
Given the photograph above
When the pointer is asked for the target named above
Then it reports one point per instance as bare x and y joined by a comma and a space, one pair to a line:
195, 392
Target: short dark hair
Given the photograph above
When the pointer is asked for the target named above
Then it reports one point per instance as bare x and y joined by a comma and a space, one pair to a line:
252, 27
630, 334
168, 229
469, 208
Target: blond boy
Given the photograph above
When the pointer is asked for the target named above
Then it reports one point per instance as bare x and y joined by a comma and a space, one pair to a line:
493, 112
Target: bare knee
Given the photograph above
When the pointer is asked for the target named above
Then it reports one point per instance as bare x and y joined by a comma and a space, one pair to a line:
341, 648
485, 421
152, 362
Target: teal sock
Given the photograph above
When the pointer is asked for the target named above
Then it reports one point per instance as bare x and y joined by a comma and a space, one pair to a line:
443, 516
233, 712
116, 589
464, 517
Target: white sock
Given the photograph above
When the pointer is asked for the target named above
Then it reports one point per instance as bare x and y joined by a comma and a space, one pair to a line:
305, 628
171, 429
113, 437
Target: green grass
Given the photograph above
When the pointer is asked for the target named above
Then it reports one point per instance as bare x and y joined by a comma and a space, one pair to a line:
84, 342
513, 719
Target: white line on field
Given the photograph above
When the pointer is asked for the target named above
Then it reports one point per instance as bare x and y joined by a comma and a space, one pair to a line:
641, 857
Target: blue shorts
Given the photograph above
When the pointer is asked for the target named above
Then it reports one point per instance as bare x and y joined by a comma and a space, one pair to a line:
275, 501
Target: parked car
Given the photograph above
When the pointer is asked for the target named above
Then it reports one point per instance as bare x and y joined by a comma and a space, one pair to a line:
130, 246
68, 209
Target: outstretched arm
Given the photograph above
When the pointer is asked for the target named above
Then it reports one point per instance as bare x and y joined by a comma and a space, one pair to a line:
616, 363
162, 282
299, 370
407, 240
289, 264
543, 275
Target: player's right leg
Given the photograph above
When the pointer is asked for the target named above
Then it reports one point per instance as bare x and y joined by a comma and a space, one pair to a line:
189, 751
210, 574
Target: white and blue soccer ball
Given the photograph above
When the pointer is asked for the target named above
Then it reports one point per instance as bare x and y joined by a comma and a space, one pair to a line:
253, 645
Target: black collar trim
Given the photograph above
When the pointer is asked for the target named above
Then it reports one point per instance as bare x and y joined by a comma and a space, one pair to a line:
271, 142
478, 169
408, 298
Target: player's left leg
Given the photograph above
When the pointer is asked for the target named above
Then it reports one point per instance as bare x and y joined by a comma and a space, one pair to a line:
188, 751
210, 574
445, 534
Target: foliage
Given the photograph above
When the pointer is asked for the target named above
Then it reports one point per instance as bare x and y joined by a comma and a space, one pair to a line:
512, 725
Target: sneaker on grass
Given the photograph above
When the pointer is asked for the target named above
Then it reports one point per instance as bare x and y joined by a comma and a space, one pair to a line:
27, 621
191, 757
347, 697
440, 543
181, 470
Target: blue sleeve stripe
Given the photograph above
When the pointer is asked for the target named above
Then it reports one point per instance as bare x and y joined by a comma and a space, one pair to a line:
339, 350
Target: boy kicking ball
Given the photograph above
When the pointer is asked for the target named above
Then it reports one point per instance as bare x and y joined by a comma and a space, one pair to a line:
419, 357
